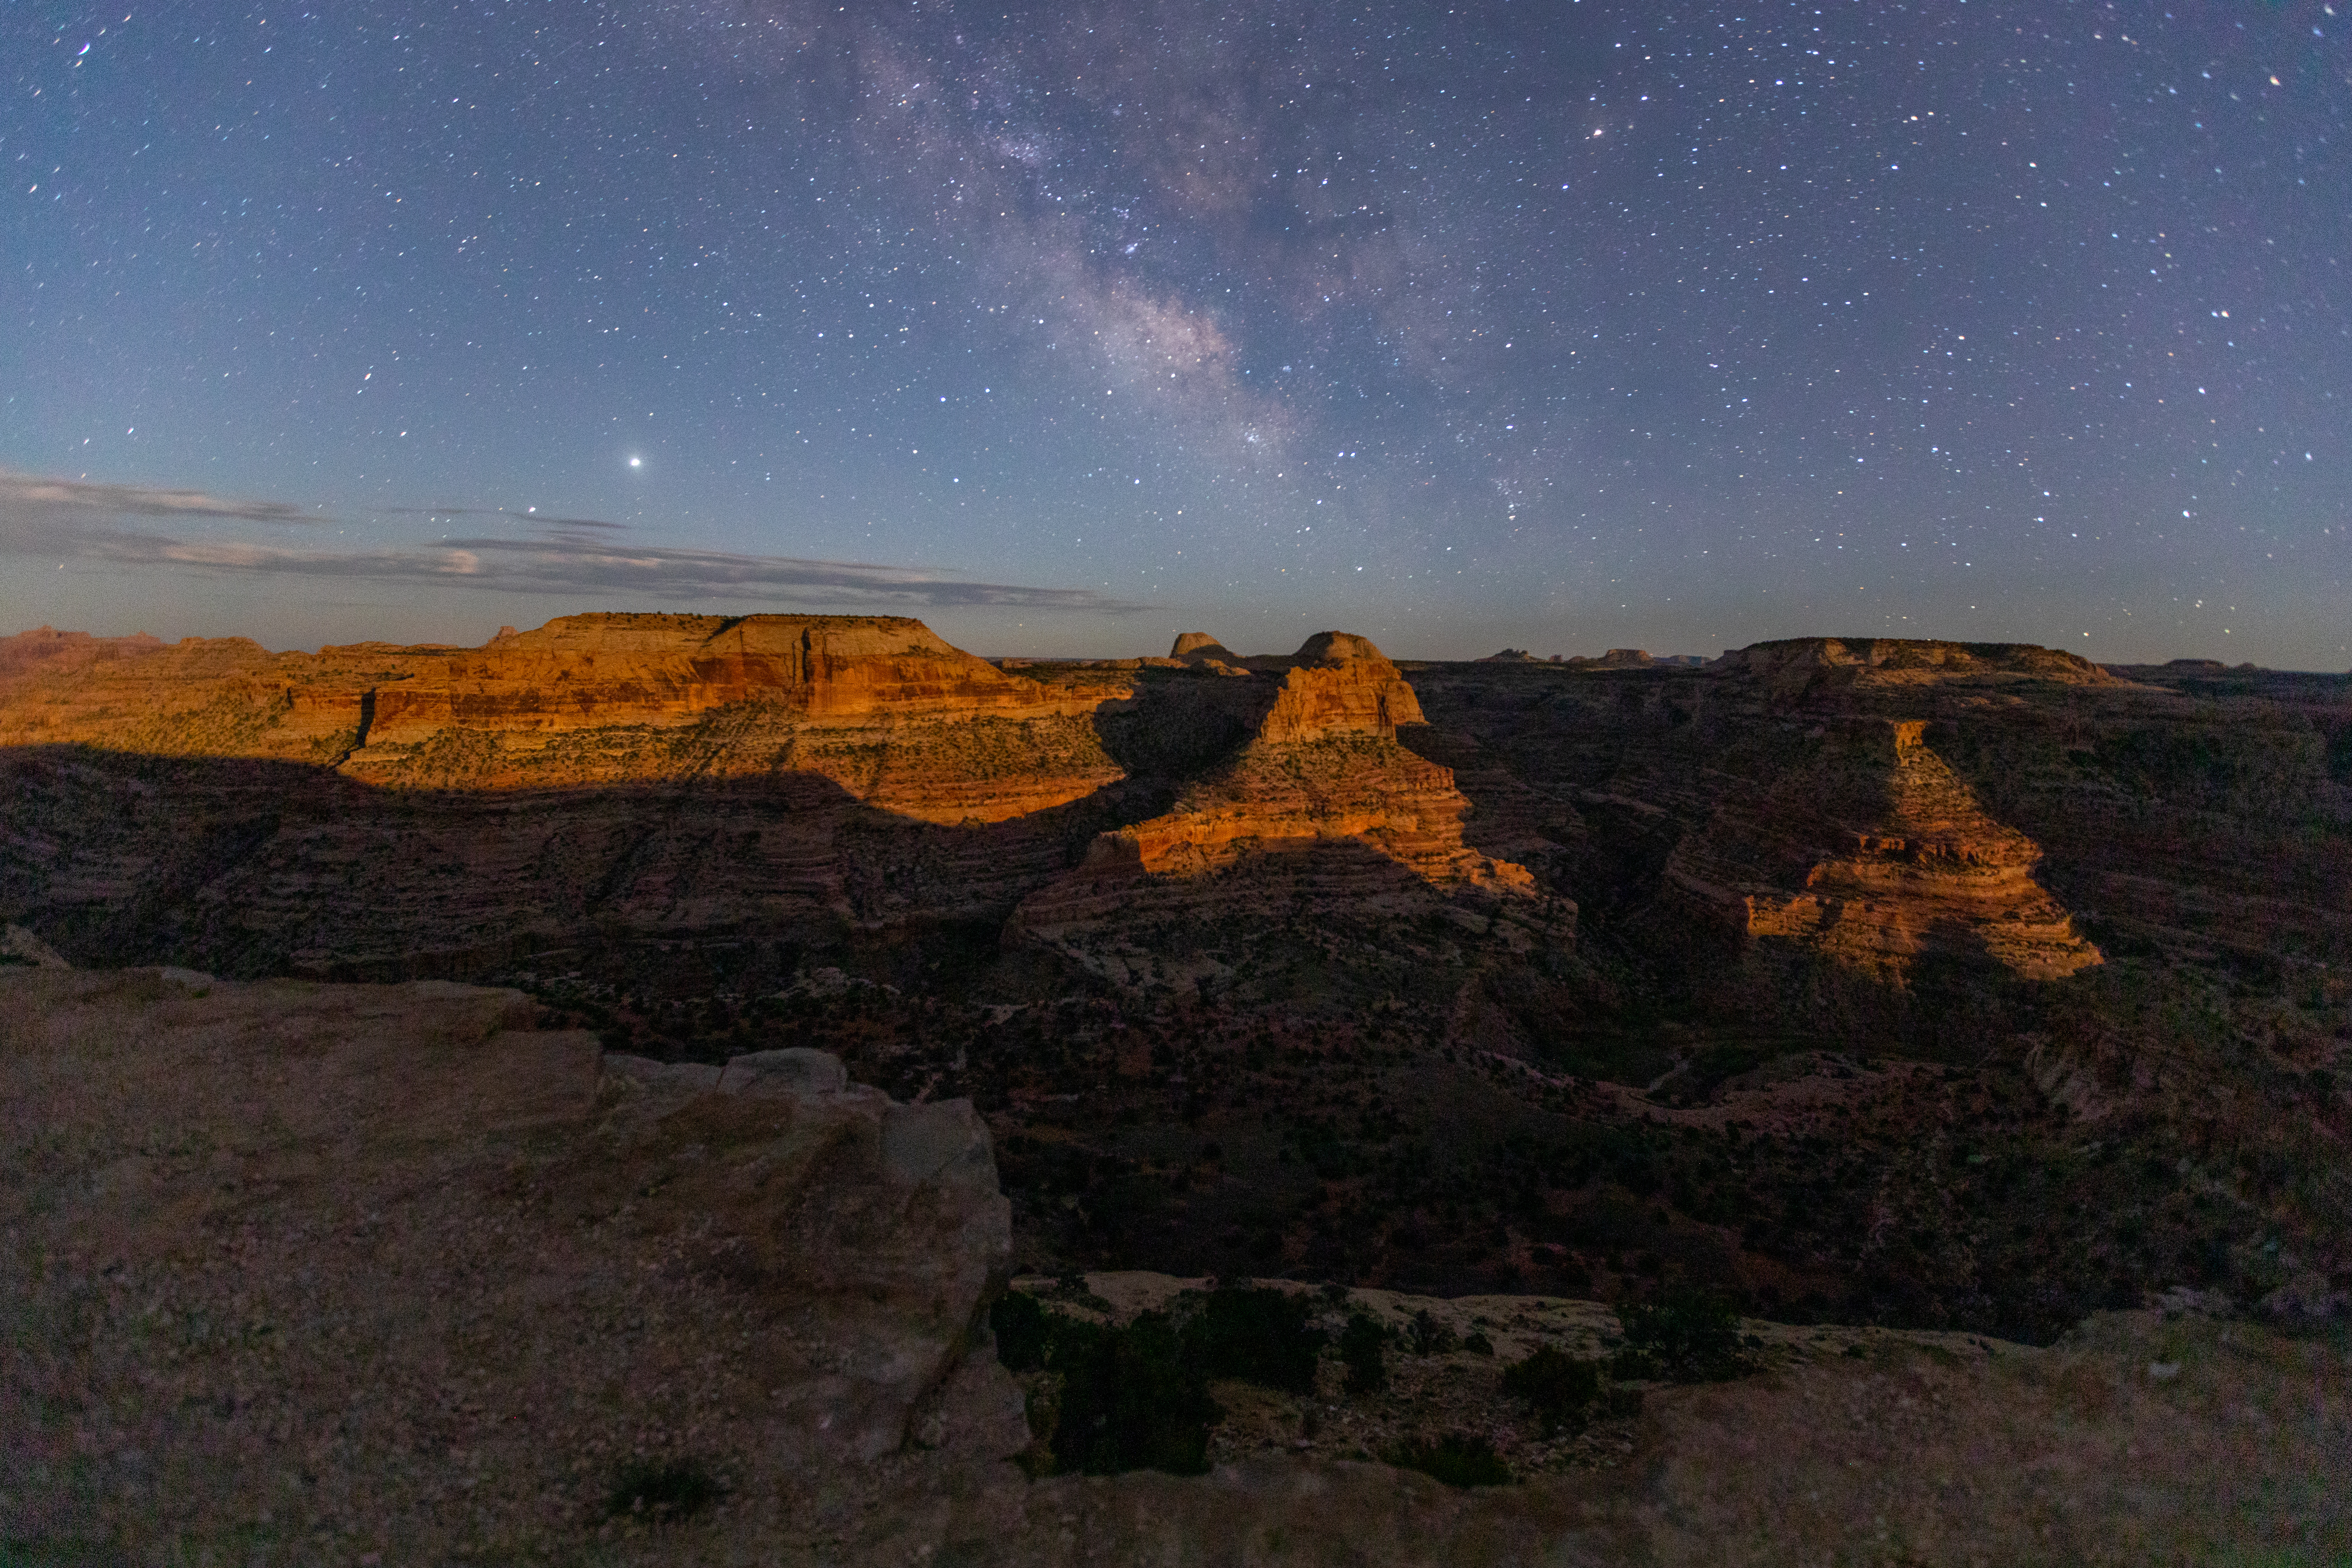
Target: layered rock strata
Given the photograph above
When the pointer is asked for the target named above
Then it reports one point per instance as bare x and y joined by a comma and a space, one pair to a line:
879, 705
1875, 855
1321, 767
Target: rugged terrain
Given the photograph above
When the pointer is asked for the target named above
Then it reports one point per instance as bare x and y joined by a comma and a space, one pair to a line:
1952, 986
304, 1273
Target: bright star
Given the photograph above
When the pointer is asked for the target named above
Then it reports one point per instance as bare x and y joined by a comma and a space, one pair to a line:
636, 462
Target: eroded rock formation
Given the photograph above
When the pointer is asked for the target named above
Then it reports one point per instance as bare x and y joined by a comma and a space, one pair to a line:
879, 705
1875, 855
1321, 767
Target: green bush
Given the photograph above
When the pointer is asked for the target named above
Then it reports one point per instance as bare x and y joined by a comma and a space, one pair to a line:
1259, 1335
1685, 1336
1362, 1344
1457, 1459
1561, 1389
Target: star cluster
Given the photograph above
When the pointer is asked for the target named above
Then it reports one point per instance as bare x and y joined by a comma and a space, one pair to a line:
1561, 325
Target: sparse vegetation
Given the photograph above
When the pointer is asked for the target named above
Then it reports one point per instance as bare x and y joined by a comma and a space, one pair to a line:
1687, 1336
1459, 1460
662, 1490
1363, 1347
1560, 1388
1260, 1336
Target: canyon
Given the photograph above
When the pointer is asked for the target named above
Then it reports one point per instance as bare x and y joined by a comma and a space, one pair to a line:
1949, 986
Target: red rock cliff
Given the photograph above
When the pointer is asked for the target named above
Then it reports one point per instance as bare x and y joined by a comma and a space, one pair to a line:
1876, 855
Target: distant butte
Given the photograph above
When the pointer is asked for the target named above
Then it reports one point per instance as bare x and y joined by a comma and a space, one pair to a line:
1877, 855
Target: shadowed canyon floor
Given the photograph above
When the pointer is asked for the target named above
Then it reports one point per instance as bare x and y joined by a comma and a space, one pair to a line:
321, 1274
1937, 985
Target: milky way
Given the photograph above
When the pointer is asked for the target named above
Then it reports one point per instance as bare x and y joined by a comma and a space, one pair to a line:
1562, 325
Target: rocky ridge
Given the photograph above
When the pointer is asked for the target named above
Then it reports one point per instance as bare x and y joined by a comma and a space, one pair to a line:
878, 705
332, 1257
349, 1275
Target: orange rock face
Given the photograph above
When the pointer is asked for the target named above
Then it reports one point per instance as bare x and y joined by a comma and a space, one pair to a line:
1339, 685
880, 705
1876, 856
1322, 769
44, 650
603, 669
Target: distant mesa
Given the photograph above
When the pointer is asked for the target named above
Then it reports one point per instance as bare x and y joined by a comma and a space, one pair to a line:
1811, 666
45, 649
585, 699
1615, 659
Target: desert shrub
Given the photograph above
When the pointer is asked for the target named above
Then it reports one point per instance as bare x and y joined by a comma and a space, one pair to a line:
1362, 1347
1260, 1336
1561, 1389
1128, 1401
1021, 1326
1685, 1336
1428, 1336
1457, 1458
661, 1489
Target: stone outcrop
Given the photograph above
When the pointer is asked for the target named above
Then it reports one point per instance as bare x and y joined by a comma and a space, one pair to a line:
1875, 855
395, 1234
1338, 684
1322, 767
1200, 644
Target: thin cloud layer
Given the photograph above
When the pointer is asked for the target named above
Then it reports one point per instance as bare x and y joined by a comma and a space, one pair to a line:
76, 519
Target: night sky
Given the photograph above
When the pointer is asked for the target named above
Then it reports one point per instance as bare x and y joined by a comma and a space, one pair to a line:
1558, 326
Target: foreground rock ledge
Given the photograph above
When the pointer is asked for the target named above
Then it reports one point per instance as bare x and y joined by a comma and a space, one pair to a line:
335, 1274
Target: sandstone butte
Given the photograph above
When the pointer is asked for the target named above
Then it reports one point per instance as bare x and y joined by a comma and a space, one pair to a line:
1321, 768
1877, 855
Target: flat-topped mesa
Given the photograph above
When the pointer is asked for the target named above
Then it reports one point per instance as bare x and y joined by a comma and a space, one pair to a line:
46, 649
1878, 854
880, 706
1798, 667
616, 669
1336, 684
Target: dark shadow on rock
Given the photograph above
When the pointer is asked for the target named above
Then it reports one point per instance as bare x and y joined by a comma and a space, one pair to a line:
249, 868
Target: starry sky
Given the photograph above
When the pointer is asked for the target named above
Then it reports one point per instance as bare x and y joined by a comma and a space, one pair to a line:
1557, 325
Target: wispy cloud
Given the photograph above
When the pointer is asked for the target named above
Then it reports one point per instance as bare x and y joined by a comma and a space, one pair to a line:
39, 497
74, 519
